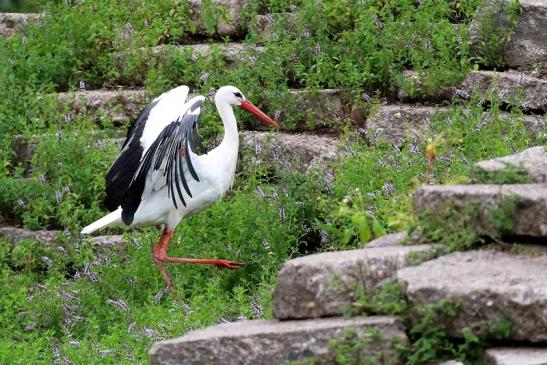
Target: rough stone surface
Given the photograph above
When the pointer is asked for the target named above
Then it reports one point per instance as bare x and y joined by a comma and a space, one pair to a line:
451, 362
11, 23
14, 235
299, 150
412, 88
117, 105
325, 284
533, 161
528, 45
394, 239
511, 87
230, 51
516, 356
228, 18
327, 109
529, 219
397, 123
276, 343
488, 286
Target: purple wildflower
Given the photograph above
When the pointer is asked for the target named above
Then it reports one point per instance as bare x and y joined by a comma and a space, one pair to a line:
82, 85
203, 76
194, 57
58, 196
413, 148
46, 260
462, 94
388, 188
90, 274
119, 304
366, 97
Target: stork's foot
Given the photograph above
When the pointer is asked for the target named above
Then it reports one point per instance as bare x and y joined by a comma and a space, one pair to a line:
227, 264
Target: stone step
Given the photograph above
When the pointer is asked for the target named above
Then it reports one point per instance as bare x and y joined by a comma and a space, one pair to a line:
516, 356
529, 165
327, 284
276, 343
528, 45
299, 151
489, 288
524, 205
511, 87
231, 52
116, 105
11, 23
15, 235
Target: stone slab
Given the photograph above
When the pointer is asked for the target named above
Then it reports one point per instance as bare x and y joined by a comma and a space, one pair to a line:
14, 235
528, 45
488, 287
325, 284
11, 23
529, 218
298, 150
516, 356
511, 87
276, 343
116, 105
228, 17
393, 239
532, 162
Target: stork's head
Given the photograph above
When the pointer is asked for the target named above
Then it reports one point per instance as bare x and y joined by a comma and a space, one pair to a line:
233, 96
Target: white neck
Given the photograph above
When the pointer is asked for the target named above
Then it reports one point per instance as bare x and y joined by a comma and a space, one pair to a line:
230, 142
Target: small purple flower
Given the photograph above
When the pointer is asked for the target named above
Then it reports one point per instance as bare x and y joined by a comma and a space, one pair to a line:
366, 97
58, 196
253, 59
363, 131
427, 44
119, 304
241, 317
317, 49
146, 22
388, 188
448, 120
282, 214
90, 274
413, 148
520, 79
150, 333
277, 114
61, 249
268, 19
462, 94
203, 76
293, 8
131, 327
42, 179
378, 132
260, 192
46, 260
131, 282
82, 85
256, 309
427, 122
258, 147
194, 57
21, 203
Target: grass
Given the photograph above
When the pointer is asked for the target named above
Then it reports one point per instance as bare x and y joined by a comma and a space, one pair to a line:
74, 302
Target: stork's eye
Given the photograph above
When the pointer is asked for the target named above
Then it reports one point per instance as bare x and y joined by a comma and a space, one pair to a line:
238, 94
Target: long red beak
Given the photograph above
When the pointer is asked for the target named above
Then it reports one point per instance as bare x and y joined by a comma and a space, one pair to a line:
251, 108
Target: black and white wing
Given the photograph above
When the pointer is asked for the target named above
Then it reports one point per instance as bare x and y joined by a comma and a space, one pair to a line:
169, 154
159, 112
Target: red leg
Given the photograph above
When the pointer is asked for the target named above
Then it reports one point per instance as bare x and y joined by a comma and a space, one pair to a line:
161, 256
157, 254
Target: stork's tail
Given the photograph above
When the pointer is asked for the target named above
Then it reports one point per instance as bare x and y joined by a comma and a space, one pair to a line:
108, 220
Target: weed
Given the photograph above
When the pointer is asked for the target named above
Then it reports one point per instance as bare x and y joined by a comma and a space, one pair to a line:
510, 174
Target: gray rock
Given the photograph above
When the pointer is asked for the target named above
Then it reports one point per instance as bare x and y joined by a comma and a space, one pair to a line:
489, 287
11, 23
326, 284
529, 217
14, 235
394, 239
532, 162
116, 105
451, 362
516, 356
511, 87
276, 343
299, 150
412, 88
397, 123
231, 52
227, 17
527, 47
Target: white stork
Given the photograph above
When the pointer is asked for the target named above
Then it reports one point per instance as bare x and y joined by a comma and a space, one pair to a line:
158, 179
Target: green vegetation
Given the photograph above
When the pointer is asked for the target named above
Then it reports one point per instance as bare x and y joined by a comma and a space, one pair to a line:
79, 303
510, 174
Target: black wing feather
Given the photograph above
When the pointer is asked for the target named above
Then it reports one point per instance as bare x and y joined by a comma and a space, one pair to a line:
124, 168
171, 147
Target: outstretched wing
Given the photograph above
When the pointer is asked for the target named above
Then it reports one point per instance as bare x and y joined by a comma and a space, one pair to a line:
161, 111
170, 153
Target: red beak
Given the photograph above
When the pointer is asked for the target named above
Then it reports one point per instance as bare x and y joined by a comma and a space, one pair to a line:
251, 108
